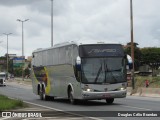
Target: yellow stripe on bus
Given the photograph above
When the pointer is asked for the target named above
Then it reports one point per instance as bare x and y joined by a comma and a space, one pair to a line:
47, 89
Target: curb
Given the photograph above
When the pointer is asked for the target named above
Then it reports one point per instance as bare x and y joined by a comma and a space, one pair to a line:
145, 92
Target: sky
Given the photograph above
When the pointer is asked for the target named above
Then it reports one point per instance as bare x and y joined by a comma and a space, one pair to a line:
82, 21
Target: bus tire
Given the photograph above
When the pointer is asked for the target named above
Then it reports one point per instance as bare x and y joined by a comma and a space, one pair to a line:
110, 100
71, 99
41, 93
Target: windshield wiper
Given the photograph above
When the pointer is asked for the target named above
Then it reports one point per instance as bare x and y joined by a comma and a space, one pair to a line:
111, 71
99, 71
106, 69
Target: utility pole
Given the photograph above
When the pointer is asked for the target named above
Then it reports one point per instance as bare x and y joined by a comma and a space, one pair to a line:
132, 43
7, 34
22, 21
51, 23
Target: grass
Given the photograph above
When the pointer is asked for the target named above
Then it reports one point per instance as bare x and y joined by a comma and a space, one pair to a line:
9, 104
154, 82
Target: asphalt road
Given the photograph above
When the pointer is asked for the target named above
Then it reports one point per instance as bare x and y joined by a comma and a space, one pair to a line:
97, 109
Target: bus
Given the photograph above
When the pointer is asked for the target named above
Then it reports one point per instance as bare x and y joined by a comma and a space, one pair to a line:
80, 72
3, 78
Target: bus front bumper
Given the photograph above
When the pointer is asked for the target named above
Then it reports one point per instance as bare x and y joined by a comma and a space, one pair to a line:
103, 95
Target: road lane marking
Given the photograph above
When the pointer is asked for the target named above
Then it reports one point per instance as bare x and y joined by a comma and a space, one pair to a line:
94, 118
43, 106
136, 107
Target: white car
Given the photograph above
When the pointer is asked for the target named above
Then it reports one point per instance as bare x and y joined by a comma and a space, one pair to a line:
3, 77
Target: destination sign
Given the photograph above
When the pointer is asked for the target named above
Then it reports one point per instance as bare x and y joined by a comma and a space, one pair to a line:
101, 50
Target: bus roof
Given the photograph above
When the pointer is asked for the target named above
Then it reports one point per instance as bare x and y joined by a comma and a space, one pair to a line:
69, 43
56, 46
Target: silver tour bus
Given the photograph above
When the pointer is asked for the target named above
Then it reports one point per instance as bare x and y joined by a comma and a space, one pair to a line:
80, 72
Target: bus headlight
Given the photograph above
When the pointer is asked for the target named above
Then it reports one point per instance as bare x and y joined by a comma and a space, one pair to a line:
88, 89
121, 88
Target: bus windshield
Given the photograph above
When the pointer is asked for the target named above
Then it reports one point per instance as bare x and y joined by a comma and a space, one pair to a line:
103, 70
2, 75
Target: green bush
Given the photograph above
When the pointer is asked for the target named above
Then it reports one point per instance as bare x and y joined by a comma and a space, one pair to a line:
154, 82
7, 103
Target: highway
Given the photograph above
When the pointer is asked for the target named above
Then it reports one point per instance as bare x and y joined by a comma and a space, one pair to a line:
131, 103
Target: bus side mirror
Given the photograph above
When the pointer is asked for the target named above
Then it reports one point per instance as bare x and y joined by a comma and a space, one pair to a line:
129, 62
78, 63
129, 66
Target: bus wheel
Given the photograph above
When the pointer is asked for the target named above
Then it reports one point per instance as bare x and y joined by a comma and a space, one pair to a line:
43, 94
110, 100
71, 99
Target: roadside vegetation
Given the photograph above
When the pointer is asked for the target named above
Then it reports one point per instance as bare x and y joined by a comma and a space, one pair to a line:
154, 82
25, 81
8, 104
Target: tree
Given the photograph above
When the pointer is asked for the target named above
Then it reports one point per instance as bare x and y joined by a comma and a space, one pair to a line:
17, 72
151, 57
10, 66
137, 54
3, 63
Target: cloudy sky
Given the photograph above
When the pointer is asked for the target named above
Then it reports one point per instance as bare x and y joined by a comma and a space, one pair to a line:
82, 21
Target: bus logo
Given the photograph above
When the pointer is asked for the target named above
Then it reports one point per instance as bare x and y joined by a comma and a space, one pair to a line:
101, 50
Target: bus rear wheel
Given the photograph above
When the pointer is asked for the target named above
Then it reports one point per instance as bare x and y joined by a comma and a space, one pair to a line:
42, 94
110, 100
